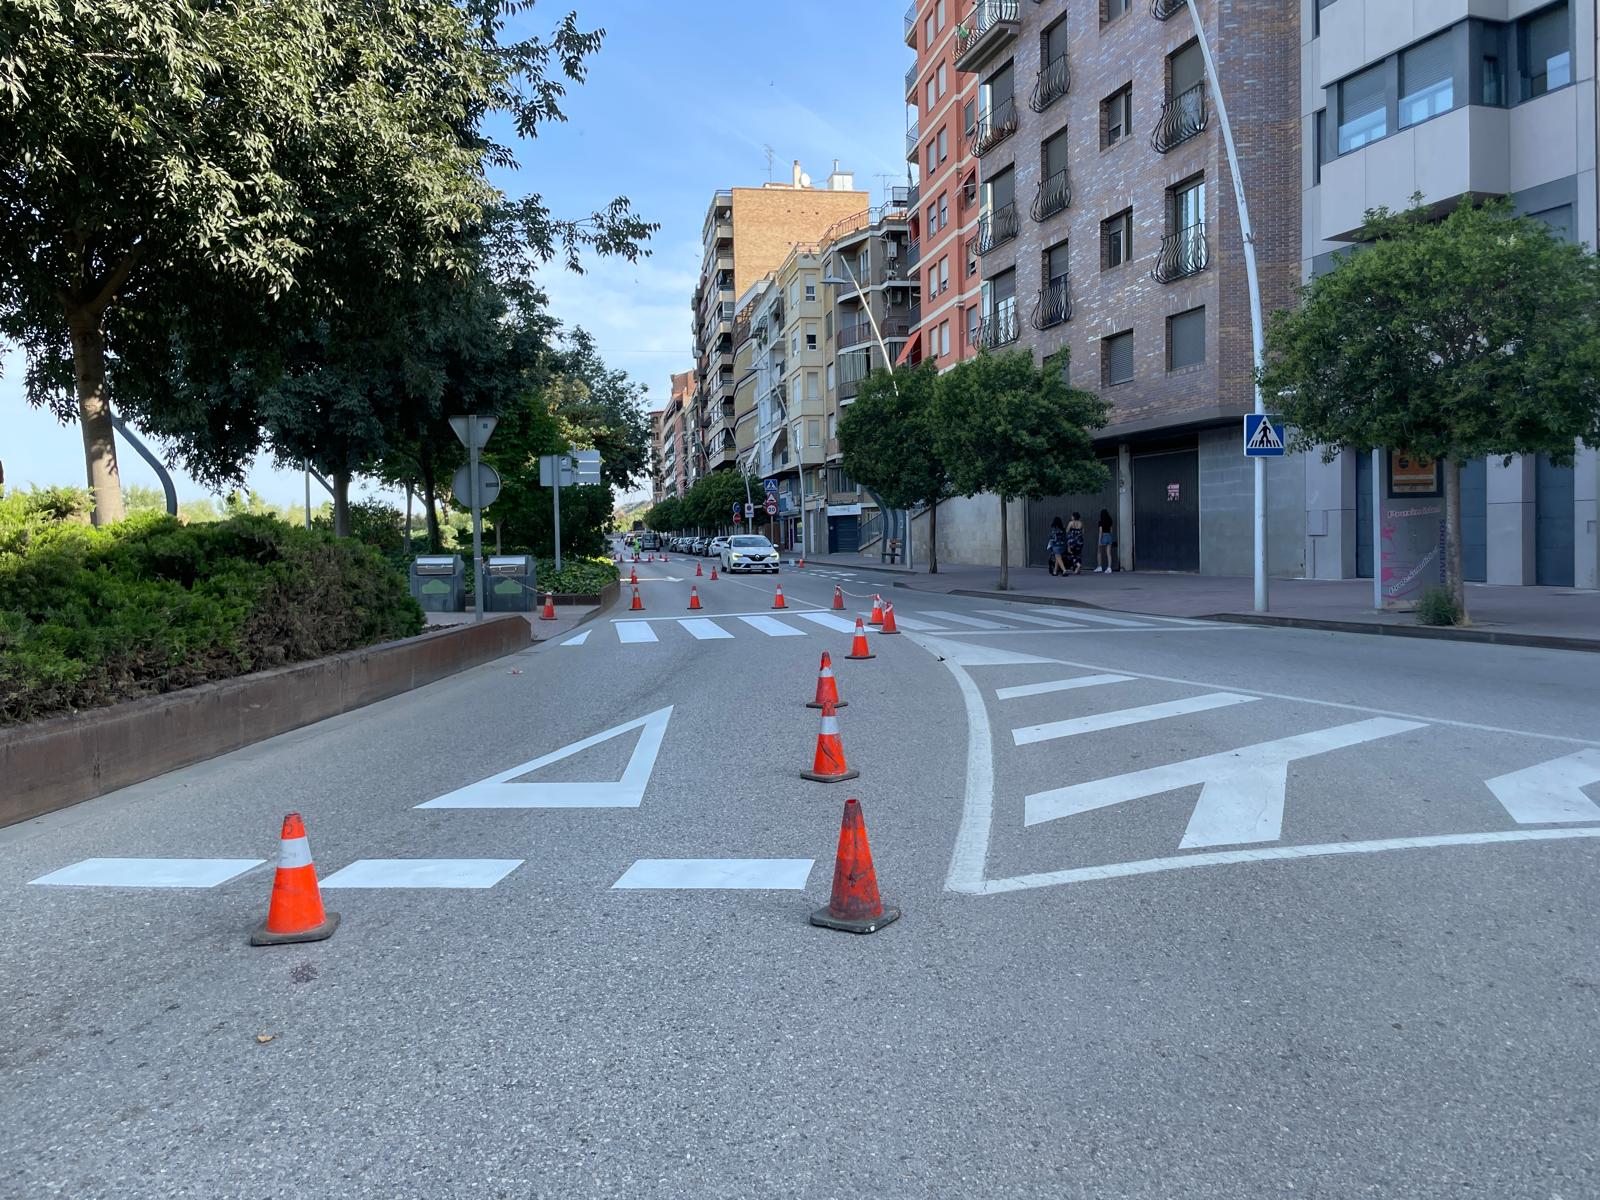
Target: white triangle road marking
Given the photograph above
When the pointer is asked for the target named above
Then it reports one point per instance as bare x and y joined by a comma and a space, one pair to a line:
1549, 792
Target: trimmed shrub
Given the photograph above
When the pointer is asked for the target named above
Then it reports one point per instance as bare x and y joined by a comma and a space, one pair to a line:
1438, 607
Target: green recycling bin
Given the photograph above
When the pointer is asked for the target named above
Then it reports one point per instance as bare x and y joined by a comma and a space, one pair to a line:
439, 583
509, 584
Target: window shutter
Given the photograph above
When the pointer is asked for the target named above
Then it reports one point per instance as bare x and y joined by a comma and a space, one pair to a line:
1055, 154
1119, 358
1188, 68
1361, 94
1426, 65
1186, 334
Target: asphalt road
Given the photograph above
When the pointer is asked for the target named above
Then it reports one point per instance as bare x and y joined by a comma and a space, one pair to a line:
1189, 911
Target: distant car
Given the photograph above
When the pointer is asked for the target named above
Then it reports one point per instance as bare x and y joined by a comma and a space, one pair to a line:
702, 546
714, 547
749, 552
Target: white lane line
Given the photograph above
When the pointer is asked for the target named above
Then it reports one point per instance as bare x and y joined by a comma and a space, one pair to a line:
1029, 734
772, 627
422, 873
635, 631
149, 872
1017, 616
829, 621
1215, 858
916, 626
1550, 791
1079, 614
579, 640
969, 858
703, 629
959, 619
787, 874
1059, 685
976, 654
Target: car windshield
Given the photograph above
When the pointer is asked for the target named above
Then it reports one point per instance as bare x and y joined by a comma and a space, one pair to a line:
750, 543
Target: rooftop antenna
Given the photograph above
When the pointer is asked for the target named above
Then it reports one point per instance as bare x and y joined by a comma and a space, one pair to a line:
883, 178
768, 151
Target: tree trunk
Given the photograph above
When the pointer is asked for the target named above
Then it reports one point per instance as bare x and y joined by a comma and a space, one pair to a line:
341, 504
933, 538
1005, 549
1452, 535
410, 488
94, 418
428, 498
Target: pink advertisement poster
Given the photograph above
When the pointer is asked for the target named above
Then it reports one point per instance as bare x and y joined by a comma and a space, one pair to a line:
1410, 530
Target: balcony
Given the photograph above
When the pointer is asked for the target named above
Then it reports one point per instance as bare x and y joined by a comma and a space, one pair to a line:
1182, 254
1183, 116
1162, 10
913, 252
853, 335
911, 84
896, 329
849, 389
998, 227
1054, 82
911, 23
1055, 303
995, 126
988, 30
999, 327
1055, 194
913, 137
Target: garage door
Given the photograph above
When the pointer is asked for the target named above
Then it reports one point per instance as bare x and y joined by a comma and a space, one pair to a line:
1552, 523
1166, 511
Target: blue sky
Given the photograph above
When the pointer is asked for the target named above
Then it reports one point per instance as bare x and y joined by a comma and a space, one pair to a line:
682, 99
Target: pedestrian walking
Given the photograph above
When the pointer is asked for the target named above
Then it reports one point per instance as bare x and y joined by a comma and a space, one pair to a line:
1107, 540
1075, 545
1056, 547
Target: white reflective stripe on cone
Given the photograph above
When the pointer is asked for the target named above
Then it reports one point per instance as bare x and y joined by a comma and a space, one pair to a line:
830, 725
294, 852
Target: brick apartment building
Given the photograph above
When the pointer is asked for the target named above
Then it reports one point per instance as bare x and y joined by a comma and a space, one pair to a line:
671, 437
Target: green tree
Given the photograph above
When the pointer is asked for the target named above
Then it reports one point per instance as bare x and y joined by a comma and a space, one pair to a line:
1478, 334
887, 435
709, 503
666, 516
1008, 426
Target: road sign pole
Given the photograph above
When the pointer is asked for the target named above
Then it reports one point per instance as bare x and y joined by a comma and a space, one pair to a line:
477, 536
555, 503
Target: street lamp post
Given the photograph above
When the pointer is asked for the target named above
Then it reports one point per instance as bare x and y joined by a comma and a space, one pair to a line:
1247, 232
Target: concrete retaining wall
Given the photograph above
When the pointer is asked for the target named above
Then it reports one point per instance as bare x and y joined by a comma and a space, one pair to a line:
51, 764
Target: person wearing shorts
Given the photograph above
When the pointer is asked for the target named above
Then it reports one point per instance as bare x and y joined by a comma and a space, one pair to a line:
1107, 540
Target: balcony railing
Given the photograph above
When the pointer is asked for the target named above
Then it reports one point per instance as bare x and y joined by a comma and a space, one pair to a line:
990, 26
1183, 253
1055, 303
911, 82
913, 136
911, 22
1054, 82
998, 227
1163, 9
1185, 115
913, 252
853, 335
1055, 194
995, 125
999, 327
849, 389
896, 329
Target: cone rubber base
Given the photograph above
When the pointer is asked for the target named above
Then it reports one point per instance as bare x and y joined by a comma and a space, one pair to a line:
887, 632
860, 656
827, 920
836, 704
265, 937
852, 773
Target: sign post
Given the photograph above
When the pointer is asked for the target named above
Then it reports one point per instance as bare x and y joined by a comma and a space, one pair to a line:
581, 466
473, 432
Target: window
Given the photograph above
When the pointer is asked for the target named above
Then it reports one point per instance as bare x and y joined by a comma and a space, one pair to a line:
833, 420
1116, 116
1319, 134
1053, 42
944, 273
972, 325
1116, 239
944, 337
811, 337
944, 144
933, 343
969, 116
942, 78
794, 293
1427, 84
794, 342
1188, 201
812, 392
1544, 51
939, 22
1001, 191
933, 161
944, 209
933, 282
830, 388
813, 432
1491, 85
811, 288
1055, 263
1186, 69
930, 94
1186, 339
1053, 193
933, 218
1116, 358
1000, 303
1559, 220
927, 30
1363, 113
972, 256
1110, 10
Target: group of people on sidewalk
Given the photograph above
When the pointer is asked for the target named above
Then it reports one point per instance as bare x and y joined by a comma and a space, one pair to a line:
1065, 547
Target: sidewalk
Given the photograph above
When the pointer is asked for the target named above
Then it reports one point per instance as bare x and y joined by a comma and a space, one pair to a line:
568, 618
1558, 618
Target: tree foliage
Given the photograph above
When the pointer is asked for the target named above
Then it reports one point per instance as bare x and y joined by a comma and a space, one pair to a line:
1478, 334
666, 515
709, 503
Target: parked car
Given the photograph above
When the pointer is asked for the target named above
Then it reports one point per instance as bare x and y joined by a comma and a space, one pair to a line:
702, 546
749, 552
714, 547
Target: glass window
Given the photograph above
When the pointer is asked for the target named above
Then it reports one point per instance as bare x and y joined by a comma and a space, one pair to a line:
1001, 190
811, 337
1427, 84
813, 432
1186, 339
939, 23
1116, 357
1116, 240
944, 337
1053, 44
944, 273
1491, 88
1544, 51
944, 145
944, 209
1055, 155
969, 114
811, 290
942, 80
1055, 263
1363, 113
931, 96
1186, 70
1110, 10
1319, 134
1188, 205
1115, 116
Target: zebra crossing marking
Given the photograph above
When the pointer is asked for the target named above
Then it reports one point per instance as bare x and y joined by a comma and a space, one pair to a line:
1097, 722
634, 632
703, 629
1047, 621
958, 619
772, 627
1058, 685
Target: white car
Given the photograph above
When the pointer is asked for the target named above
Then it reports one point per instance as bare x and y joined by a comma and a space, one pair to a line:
749, 552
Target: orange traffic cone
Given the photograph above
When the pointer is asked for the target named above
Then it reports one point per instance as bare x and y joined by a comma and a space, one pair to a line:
855, 905
633, 576
549, 613
858, 648
694, 598
829, 765
295, 913
637, 605
713, 570
877, 611
801, 564
838, 597
827, 686
777, 601
698, 573
888, 625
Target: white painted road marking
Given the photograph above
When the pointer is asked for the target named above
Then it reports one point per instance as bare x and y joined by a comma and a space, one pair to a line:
422, 873
1059, 685
634, 632
1052, 622
916, 626
704, 630
772, 627
828, 621
1551, 791
149, 872
788, 874
579, 640
627, 792
966, 654
1243, 794
1079, 614
951, 618
1029, 734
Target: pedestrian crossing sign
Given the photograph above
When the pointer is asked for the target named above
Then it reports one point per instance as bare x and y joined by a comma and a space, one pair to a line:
1262, 439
